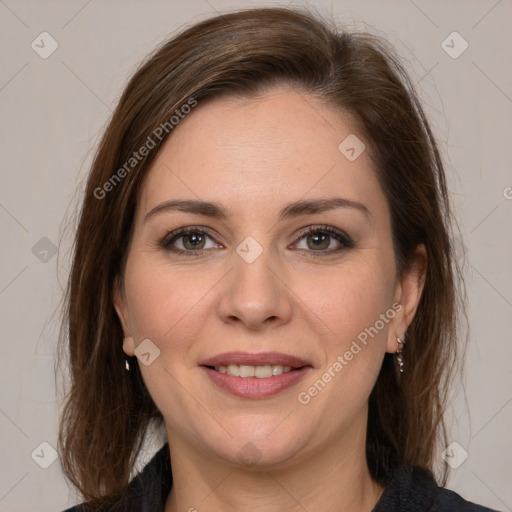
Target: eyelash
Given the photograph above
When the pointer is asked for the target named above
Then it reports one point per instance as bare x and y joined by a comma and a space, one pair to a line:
338, 235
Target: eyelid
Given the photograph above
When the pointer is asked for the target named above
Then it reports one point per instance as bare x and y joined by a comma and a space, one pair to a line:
343, 238
173, 235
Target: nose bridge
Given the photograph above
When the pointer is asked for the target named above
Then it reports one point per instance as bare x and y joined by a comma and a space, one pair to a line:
254, 294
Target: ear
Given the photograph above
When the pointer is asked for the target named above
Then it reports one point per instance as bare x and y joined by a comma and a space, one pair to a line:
408, 292
122, 313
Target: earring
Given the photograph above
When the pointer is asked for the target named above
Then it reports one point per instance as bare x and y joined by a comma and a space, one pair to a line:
399, 355
127, 341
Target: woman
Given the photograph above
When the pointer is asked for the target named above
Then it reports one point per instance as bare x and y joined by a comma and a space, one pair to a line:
263, 268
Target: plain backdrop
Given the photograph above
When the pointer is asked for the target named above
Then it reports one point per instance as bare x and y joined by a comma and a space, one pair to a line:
53, 110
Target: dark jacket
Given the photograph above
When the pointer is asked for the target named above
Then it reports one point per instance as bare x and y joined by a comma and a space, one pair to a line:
410, 489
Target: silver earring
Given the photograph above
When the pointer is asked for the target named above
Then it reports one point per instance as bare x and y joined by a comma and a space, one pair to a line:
399, 355
127, 365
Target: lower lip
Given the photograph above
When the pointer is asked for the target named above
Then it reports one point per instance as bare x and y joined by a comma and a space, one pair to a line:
253, 387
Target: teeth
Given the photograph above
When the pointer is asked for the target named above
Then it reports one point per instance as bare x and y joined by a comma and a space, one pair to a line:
246, 371
232, 369
261, 372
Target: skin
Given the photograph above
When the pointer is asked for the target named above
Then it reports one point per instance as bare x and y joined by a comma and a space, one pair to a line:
254, 156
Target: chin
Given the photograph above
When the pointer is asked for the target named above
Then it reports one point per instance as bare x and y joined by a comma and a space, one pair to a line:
257, 447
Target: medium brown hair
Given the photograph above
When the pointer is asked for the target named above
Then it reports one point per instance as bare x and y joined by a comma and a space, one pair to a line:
107, 410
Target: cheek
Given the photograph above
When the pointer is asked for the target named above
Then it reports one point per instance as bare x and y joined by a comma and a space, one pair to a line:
162, 301
168, 307
349, 303
348, 299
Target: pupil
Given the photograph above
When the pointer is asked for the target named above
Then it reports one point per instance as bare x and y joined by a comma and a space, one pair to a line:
193, 240
319, 241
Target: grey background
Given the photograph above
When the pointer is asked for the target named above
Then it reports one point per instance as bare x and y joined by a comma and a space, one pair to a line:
53, 111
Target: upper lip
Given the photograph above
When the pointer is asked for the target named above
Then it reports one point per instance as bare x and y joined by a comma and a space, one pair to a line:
261, 359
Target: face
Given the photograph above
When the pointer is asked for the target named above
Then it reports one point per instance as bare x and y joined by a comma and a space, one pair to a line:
258, 244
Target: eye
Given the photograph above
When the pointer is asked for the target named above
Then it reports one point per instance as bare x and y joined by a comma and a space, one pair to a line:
187, 240
323, 239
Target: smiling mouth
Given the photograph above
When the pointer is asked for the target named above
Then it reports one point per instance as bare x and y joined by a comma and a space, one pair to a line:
255, 376
260, 372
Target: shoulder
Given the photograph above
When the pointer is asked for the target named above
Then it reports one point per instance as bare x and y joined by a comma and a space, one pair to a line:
451, 501
146, 492
414, 489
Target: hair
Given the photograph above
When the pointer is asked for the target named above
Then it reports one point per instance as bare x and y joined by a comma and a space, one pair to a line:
108, 411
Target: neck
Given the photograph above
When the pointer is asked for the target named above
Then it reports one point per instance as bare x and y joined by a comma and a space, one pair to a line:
336, 476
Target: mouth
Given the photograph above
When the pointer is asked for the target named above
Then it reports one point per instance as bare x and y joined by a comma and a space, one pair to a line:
263, 365
246, 371
255, 375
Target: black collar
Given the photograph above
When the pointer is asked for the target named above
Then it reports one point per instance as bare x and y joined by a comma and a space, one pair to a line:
410, 489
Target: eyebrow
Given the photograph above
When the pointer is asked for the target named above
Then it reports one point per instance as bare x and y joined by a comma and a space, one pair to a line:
296, 209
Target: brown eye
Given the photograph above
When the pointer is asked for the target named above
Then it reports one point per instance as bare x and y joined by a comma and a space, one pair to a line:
318, 241
193, 241
188, 240
323, 240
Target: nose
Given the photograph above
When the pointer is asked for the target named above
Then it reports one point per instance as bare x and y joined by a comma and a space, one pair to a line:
255, 294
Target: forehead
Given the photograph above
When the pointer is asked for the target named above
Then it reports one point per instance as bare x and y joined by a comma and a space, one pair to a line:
261, 152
